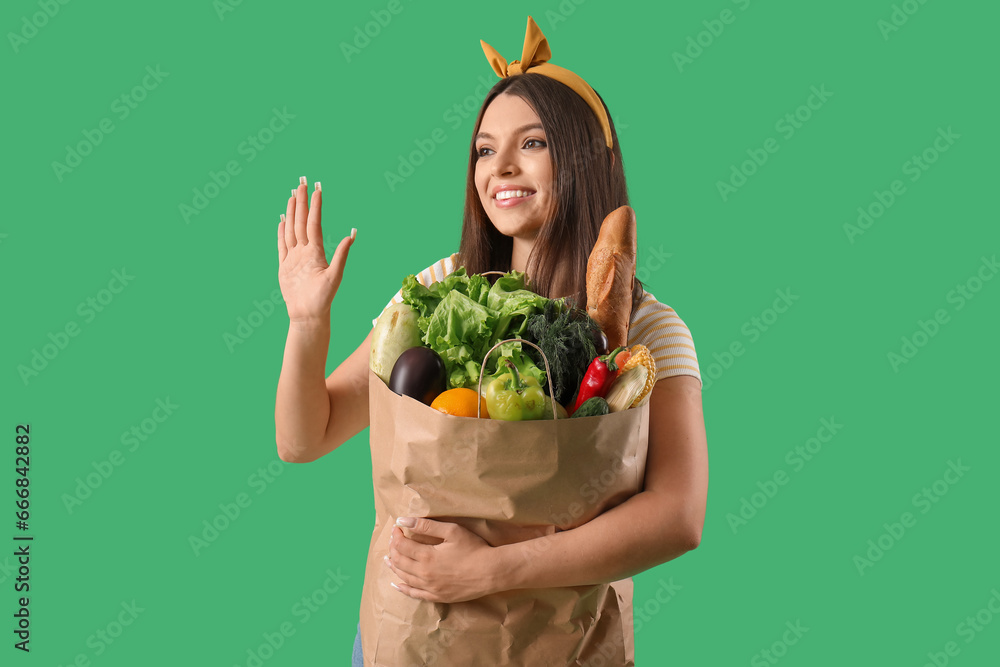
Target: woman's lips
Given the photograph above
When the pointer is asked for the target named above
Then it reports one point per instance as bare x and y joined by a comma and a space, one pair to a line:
513, 201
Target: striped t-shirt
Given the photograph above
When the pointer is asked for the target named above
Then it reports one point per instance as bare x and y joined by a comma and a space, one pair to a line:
653, 324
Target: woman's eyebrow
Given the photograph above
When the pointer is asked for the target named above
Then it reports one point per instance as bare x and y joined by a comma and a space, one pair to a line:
523, 128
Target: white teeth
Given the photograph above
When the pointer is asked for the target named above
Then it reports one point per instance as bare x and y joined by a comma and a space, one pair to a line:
508, 194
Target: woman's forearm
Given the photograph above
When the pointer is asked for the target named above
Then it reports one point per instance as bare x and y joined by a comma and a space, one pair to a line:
646, 530
302, 404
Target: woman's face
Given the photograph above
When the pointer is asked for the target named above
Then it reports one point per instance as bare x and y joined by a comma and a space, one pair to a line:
513, 154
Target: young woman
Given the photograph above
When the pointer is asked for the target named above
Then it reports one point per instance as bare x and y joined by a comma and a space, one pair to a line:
539, 135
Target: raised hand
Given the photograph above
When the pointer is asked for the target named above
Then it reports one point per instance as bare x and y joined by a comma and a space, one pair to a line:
308, 283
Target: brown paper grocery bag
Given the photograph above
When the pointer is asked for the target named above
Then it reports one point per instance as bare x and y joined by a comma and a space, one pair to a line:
507, 482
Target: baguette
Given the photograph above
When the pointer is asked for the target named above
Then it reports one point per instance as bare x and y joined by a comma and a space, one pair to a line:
611, 275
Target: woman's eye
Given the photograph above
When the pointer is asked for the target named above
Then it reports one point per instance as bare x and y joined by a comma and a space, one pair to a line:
479, 152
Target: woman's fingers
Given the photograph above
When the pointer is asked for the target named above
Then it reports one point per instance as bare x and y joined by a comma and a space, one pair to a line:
301, 210
289, 218
415, 592
409, 584
282, 246
405, 567
403, 563
406, 552
314, 228
339, 259
301, 222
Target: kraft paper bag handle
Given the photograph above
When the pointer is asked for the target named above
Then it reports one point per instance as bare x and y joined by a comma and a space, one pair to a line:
482, 368
548, 375
487, 273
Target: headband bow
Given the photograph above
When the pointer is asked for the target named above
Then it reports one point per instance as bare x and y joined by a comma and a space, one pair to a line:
534, 59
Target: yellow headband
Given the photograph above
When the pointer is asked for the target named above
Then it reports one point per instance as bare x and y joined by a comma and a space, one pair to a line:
536, 54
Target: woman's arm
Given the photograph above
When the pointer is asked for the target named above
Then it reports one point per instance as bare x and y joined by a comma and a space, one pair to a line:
656, 525
313, 416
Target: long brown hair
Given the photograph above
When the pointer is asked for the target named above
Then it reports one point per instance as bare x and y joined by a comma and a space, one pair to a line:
587, 187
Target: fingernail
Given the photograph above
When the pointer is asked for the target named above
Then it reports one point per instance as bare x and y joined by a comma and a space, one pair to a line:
282, 217
393, 584
293, 192
354, 232
407, 521
385, 559
303, 181
319, 186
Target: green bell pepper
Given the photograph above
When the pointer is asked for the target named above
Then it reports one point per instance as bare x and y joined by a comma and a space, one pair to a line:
514, 397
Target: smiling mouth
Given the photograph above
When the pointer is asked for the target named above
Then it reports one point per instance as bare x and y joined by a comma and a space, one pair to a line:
512, 201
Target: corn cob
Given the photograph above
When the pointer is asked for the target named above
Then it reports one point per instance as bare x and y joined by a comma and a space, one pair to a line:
626, 388
635, 383
642, 356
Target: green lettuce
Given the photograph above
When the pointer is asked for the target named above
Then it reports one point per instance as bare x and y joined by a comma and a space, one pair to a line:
426, 299
461, 317
514, 304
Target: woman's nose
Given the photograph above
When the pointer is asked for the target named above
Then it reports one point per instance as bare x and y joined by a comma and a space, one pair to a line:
504, 165
505, 161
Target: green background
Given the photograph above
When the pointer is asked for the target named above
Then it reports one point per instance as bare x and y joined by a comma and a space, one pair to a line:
682, 129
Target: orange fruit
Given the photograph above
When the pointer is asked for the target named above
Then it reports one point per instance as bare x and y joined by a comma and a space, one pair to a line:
459, 402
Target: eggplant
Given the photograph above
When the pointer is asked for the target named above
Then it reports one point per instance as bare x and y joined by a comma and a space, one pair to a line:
600, 341
597, 334
419, 373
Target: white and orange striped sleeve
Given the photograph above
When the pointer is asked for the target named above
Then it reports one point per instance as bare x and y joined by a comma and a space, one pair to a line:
657, 326
431, 274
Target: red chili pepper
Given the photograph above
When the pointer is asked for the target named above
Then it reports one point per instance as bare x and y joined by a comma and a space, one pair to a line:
598, 379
